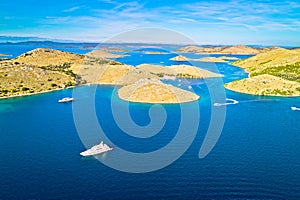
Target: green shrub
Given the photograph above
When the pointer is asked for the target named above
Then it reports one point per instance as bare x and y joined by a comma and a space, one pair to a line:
25, 89
288, 72
70, 84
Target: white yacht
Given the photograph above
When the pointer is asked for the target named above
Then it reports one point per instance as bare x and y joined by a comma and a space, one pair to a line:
66, 99
295, 108
97, 149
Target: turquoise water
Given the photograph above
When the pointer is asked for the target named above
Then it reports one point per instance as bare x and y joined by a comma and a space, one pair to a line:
256, 156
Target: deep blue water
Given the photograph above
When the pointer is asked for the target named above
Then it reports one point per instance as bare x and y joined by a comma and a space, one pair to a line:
256, 156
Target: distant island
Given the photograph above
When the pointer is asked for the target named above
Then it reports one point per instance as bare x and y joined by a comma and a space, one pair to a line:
237, 49
103, 54
272, 73
42, 70
180, 58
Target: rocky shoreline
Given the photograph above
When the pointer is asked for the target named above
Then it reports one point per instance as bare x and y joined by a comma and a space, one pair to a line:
273, 73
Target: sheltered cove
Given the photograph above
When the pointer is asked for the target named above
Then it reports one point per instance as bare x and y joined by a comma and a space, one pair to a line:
93, 68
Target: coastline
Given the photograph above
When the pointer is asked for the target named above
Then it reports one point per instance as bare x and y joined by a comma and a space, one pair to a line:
269, 74
271, 95
37, 93
265, 85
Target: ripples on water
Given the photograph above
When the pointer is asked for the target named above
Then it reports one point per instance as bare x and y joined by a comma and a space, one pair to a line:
257, 156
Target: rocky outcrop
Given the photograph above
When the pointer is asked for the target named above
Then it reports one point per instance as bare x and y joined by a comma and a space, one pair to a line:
180, 58
272, 73
154, 91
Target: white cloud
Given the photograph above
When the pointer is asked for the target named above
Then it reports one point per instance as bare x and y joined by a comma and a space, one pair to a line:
72, 9
233, 17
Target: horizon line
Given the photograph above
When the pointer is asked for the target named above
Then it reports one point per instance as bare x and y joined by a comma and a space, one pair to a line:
66, 41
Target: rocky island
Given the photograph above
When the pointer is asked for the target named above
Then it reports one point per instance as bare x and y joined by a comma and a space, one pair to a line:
42, 70
180, 58
154, 91
272, 73
36, 71
210, 59
103, 54
204, 59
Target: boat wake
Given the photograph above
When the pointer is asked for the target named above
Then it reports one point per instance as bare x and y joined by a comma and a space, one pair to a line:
228, 102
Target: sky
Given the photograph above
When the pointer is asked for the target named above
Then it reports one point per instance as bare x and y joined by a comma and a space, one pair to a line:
205, 22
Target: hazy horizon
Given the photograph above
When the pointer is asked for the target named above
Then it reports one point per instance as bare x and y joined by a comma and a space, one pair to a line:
24, 39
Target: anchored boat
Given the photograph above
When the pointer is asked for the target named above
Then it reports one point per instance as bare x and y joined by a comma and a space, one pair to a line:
66, 99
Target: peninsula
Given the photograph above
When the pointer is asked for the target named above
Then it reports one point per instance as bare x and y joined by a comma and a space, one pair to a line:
237, 49
181, 71
272, 73
38, 71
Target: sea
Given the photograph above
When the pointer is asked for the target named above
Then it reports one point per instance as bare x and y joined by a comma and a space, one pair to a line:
251, 148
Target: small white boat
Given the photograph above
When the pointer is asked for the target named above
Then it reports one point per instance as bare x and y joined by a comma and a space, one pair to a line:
66, 99
97, 149
295, 108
